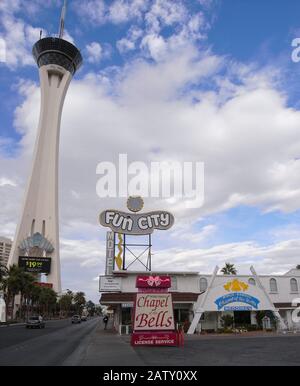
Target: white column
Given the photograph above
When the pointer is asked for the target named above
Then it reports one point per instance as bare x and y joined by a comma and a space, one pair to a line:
289, 319
253, 318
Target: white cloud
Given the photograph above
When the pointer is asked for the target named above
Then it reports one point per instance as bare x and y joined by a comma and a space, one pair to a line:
186, 232
122, 11
165, 13
125, 45
97, 52
275, 258
240, 169
158, 15
18, 35
94, 51
10, 6
155, 46
6, 181
118, 11
19, 38
91, 10
2, 50
239, 125
129, 42
75, 194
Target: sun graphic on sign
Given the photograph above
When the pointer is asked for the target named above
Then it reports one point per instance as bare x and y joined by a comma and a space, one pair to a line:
236, 285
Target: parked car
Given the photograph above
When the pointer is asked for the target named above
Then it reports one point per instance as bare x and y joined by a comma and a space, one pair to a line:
35, 322
83, 318
76, 319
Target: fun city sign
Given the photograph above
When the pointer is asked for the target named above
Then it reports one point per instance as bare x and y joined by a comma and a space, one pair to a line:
136, 223
153, 323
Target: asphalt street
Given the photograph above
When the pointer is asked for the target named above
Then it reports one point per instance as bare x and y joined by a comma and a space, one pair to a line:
51, 346
88, 344
226, 351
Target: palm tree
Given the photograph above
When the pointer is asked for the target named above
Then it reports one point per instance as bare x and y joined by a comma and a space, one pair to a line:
17, 281
26, 285
79, 300
65, 302
47, 300
229, 269
32, 298
11, 286
91, 307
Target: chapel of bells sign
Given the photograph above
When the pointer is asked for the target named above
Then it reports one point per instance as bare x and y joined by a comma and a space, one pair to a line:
136, 223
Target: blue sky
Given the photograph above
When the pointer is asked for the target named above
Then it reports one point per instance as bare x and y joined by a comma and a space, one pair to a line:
217, 84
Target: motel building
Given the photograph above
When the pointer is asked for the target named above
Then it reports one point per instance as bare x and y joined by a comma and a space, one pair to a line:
200, 300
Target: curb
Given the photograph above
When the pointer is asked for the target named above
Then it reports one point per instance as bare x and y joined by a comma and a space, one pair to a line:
24, 323
13, 325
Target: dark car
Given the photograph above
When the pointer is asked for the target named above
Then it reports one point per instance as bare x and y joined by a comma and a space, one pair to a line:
76, 319
35, 322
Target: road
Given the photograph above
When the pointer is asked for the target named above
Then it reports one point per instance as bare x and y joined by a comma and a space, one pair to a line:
88, 344
51, 346
226, 351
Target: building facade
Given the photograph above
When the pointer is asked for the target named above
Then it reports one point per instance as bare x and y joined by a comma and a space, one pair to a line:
216, 293
5, 248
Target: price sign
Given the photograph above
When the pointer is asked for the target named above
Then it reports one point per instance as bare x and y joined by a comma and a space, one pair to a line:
35, 264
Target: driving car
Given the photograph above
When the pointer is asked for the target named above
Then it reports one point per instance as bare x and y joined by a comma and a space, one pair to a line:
83, 318
76, 319
35, 322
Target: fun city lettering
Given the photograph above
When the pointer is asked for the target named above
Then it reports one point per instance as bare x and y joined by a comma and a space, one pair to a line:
123, 222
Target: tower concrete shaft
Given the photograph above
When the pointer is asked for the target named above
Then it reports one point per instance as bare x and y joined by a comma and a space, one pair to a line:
37, 232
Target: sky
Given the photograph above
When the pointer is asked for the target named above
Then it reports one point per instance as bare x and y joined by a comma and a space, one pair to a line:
209, 81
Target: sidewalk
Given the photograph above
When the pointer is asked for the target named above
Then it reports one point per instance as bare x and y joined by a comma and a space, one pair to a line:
13, 324
107, 348
24, 323
252, 334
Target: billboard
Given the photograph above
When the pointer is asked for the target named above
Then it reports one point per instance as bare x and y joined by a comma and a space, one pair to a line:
153, 312
35, 264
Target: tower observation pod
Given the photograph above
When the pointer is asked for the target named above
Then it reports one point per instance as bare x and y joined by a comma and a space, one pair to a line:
36, 242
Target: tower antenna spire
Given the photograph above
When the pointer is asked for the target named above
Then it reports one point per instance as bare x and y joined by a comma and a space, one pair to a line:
62, 20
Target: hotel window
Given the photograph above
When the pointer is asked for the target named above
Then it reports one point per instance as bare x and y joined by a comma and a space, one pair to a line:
203, 284
173, 283
251, 281
273, 285
294, 286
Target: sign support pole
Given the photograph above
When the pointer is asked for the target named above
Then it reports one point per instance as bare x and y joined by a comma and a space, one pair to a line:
124, 249
272, 307
114, 261
199, 310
